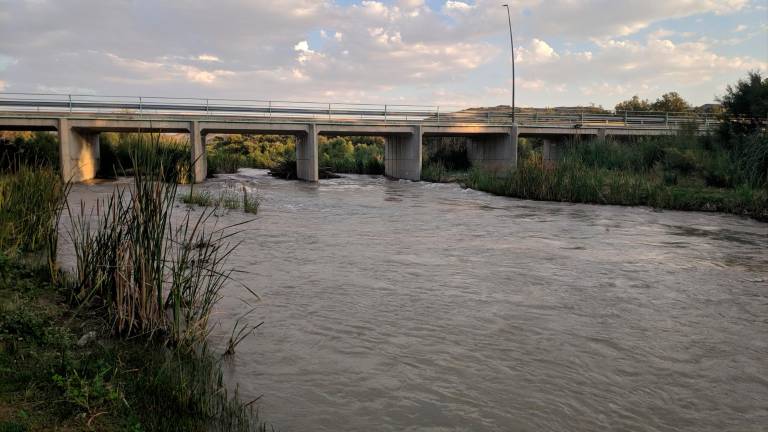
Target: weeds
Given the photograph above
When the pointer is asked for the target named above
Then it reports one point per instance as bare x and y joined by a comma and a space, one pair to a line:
229, 198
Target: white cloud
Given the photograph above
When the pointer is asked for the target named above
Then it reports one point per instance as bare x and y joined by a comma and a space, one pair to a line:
2, 85
740, 28
453, 5
302, 46
374, 50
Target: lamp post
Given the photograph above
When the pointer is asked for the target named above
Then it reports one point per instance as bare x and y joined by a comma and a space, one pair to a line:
512, 46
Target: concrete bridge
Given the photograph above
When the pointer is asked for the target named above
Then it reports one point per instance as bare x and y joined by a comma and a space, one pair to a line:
492, 135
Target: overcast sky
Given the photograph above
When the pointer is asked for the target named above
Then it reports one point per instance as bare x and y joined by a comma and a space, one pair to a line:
453, 52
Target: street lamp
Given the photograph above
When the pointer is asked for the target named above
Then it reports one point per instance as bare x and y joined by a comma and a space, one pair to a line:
512, 45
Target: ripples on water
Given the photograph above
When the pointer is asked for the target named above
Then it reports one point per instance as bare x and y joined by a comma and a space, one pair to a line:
392, 306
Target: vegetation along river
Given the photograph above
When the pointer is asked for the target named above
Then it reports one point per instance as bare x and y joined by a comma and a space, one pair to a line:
400, 306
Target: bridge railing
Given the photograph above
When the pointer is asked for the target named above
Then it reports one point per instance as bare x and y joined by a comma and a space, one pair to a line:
140, 106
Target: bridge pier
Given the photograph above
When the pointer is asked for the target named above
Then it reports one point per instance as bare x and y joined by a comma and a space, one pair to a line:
78, 152
306, 155
497, 152
402, 155
199, 156
552, 151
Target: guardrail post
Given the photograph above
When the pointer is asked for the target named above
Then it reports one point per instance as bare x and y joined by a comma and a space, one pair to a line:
140, 106
488, 117
385, 113
626, 119
207, 112
70, 104
666, 119
269, 105
329, 112
438, 116
582, 117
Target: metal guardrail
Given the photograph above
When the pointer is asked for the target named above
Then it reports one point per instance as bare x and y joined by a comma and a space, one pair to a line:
134, 105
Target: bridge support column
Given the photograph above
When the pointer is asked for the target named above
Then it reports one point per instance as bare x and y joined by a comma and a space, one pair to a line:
552, 150
601, 134
496, 152
199, 157
78, 152
402, 155
306, 155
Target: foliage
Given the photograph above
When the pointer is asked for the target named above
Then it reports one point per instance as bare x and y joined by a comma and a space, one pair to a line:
746, 105
673, 172
356, 155
668, 102
228, 153
28, 149
229, 198
153, 277
634, 104
107, 385
31, 202
671, 102
118, 151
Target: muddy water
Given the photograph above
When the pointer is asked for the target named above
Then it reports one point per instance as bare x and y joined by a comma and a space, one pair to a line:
398, 306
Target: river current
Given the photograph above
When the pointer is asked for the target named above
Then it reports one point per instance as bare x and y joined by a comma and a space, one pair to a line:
401, 306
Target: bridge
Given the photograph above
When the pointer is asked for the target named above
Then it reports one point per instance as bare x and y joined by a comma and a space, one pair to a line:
491, 133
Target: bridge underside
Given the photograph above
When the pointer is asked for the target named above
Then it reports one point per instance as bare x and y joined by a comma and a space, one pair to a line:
491, 146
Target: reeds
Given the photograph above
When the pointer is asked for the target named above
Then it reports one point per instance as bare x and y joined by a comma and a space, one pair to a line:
230, 198
31, 201
155, 278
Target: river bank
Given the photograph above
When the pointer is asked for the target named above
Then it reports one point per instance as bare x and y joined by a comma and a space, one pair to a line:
116, 338
676, 173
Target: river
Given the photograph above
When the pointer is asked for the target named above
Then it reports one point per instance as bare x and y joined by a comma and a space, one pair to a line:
401, 306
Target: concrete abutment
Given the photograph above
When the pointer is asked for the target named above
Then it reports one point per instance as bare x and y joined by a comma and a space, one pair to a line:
494, 152
402, 155
79, 152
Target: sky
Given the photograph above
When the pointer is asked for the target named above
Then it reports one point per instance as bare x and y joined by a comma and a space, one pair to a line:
431, 52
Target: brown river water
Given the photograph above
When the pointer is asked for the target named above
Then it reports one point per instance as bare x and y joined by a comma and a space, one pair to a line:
401, 306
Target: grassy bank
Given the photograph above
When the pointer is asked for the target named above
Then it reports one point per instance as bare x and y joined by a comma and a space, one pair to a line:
120, 343
678, 173
61, 368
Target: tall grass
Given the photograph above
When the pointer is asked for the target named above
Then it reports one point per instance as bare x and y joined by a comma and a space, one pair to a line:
31, 201
155, 278
171, 154
571, 180
229, 198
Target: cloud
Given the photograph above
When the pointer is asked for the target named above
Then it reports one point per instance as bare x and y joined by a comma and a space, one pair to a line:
2, 85
371, 51
302, 46
208, 58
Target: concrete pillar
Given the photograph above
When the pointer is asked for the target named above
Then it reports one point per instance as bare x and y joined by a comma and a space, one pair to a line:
601, 133
552, 150
402, 155
306, 155
199, 157
494, 152
78, 151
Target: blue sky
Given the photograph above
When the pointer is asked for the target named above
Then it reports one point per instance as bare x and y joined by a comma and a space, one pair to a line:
433, 52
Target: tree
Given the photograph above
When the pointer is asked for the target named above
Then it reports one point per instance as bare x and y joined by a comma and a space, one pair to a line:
634, 104
671, 102
749, 98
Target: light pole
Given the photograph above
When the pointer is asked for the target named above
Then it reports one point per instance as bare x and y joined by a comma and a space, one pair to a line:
512, 46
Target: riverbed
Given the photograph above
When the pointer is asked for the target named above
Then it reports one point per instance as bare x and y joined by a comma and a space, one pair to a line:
410, 306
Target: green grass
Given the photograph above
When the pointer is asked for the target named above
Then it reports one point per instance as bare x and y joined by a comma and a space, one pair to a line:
573, 181
119, 153
229, 198
143, 286
48, 380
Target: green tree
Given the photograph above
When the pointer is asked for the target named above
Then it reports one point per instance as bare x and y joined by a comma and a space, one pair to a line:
671, 102
749, 98
634, 104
